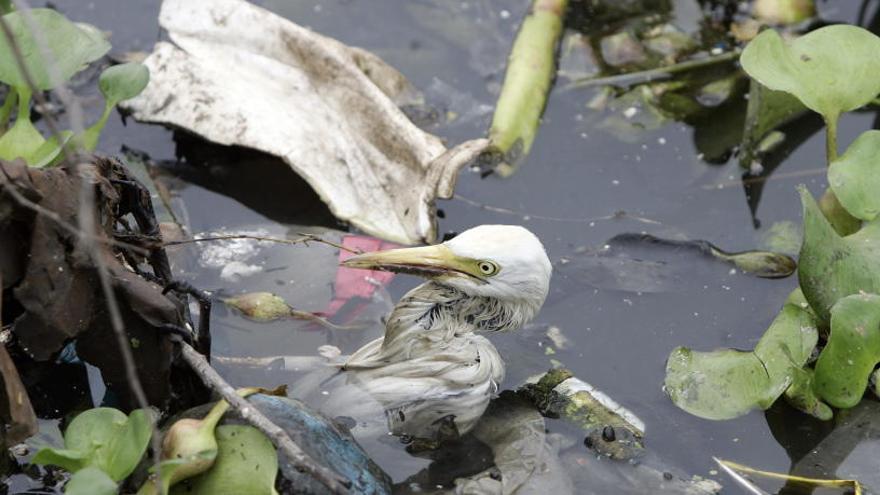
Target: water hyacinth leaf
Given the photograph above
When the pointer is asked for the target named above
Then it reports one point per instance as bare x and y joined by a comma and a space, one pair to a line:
852, 352
832, 267
71, 48
20, 141
117, 83
70, 460
840, 219
720, 384
727, 383
123, 81
855, 176
814, 69
802, 397
49, 151
90, 481
246, 464
105, 438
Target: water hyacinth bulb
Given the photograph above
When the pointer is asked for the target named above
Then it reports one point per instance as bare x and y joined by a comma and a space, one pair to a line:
190, 447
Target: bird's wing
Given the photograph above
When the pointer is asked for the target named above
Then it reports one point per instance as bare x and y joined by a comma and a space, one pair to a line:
457, 379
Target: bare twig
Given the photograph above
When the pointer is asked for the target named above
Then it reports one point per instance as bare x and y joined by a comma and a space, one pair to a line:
617, 215
767, 178
305, 239
301, 460
313, 238
650, 75
296, 363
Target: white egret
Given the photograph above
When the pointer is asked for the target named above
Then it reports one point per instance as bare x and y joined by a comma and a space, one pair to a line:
432, 364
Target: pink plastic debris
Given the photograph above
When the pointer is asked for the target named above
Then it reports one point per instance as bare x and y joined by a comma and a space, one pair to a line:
350, 282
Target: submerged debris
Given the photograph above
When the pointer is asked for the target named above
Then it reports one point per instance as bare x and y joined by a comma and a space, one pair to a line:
612, 430
764, 264
51, 272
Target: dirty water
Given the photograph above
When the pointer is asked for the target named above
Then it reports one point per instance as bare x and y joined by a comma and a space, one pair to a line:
570, 192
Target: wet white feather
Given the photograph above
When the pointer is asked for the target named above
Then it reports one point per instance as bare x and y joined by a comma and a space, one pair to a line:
431, 363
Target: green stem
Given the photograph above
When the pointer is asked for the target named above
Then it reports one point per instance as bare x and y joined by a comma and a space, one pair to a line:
831, 139
527, 81
24, 105
91, 135
646, 76
6, 109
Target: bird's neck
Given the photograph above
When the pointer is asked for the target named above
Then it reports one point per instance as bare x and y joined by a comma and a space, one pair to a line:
439, 313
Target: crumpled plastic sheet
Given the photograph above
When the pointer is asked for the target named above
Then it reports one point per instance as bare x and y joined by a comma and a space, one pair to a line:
237, 74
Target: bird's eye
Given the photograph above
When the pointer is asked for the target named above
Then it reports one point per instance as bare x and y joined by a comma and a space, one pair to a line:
488, 268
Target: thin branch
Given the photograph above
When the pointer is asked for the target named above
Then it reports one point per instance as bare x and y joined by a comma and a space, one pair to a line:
617, 215
305, 239
650, 75
295, 363
300, 460
314, 238
766, 178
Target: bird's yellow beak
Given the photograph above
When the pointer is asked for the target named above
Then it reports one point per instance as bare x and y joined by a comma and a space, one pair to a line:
436, 261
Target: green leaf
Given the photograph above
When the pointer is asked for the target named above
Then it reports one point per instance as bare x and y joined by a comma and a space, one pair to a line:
20, 141
90, 481
831, 267
124, 81
49, 150
117, 83
855, 176
71, 48
23, 139
852, 352
830, 70
104, 438
129, 444
727, 383
71, 460
801, 396
246, 465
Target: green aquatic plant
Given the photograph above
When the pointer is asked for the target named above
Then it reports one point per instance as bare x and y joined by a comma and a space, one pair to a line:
102, 446
191, 447
48, 49
830, 71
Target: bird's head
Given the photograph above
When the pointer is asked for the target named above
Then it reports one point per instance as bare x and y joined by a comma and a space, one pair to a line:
505, 262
